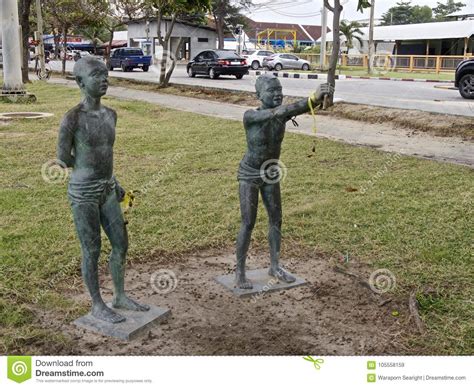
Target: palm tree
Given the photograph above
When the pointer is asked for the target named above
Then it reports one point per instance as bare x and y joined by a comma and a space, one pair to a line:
351, 31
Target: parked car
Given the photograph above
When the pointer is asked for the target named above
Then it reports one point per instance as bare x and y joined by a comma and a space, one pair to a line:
218, 62
78, 54
69, 54
464, 78
285, 61
129, 58
255, 58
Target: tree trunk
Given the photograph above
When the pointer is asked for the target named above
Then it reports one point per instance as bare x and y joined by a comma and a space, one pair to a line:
165, 43
57, 41
336, 44
24, 11
109, 47
173, 63
220, 32
65, 28
163, 60
371, 53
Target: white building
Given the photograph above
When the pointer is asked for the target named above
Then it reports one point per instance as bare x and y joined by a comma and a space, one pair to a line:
144, 34
441, 38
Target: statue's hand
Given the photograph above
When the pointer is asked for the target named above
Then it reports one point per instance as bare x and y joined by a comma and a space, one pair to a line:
120, 192
322, 91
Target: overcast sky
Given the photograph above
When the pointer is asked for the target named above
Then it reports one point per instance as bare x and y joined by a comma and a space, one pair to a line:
307, 11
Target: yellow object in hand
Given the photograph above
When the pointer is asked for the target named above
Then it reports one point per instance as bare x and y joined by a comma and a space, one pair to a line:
311, 101
127, 201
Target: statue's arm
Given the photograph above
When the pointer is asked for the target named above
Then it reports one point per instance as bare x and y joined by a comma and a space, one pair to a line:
302, 106
119, 190
254, 116
65, 143
286, 112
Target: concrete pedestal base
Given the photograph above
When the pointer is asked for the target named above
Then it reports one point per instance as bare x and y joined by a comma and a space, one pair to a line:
262, 283
18, 98
135, 324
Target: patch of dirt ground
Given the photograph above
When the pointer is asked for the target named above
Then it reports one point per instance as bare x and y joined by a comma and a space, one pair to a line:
332, 315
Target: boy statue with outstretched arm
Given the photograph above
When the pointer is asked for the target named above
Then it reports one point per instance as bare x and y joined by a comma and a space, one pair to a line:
85, 143
259, 169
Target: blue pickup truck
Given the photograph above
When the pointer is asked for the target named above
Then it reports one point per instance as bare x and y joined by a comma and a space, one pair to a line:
129, 58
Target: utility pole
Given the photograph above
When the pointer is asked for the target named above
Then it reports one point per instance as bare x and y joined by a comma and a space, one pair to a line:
238, 31
324, 25
13, 89
371, 38
147, 30
39, 37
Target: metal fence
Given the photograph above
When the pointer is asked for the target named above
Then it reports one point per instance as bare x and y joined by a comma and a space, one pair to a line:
387, 62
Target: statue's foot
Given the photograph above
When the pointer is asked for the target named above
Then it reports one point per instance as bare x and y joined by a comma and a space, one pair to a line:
126, 303
281, 274
104, 313
243, 282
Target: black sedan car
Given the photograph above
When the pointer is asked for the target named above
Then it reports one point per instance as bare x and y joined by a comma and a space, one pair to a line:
218, 62
464, 79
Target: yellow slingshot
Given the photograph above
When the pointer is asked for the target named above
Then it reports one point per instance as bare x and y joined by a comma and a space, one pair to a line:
311, 101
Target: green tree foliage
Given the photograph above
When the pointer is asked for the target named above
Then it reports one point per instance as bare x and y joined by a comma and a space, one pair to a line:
351, 31
421, 14
65, 14
442, 10
227, 13
405, 13
97, 33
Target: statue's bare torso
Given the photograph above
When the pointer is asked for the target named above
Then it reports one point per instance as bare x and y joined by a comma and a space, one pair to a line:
93, 137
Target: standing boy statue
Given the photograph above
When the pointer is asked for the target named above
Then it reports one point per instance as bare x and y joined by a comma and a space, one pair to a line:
259, 171
86, 140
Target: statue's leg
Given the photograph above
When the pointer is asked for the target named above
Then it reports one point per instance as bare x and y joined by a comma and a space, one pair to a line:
272, 200
87, 221
113, 223
248, 194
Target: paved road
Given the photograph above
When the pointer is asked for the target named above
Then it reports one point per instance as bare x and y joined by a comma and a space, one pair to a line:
395, 94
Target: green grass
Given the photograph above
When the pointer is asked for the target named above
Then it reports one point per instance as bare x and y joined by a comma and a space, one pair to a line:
415, 219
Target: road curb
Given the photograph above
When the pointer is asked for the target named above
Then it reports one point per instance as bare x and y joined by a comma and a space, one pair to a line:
340, 76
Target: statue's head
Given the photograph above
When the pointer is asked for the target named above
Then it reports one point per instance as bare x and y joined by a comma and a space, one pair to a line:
269, 90
91, 76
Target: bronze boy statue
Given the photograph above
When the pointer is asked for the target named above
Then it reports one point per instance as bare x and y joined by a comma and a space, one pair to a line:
265, 128
86, 140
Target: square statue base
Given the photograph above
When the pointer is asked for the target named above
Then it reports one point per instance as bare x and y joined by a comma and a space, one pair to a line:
262, 283
135, 324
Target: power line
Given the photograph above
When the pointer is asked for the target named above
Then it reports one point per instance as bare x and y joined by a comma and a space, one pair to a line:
279, 12
279, 6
